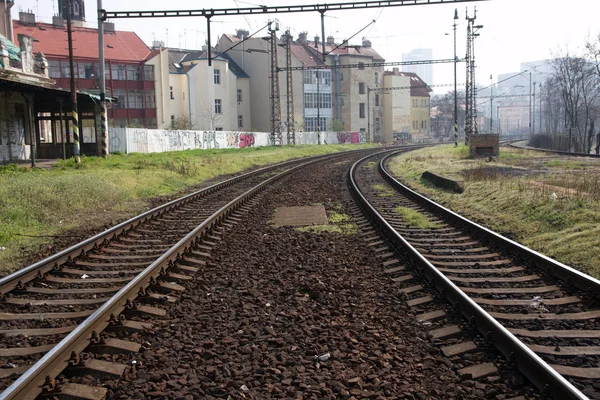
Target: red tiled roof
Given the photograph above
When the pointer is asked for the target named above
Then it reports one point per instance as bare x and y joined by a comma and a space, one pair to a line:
346, 49
305, 56
52, 41
418, 87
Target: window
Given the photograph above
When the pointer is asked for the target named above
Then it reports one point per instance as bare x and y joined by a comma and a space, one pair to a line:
148, 72
219, 129
118, 72
341, 76
239, 96
172, 121
361, 65
377, 124
361, 110
423, 124
415, 124
121, 96
135, 99
54, 69
308, 100
361, 88
217, 76
150, 101
314, 124
134, 73
415, 103
377, 78
65, 70
326, 77
376, 100
307, 77
171, 91
217, 106
240, 121
423, 103
87, 70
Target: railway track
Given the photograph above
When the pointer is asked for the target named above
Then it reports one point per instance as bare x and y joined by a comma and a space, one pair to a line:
541, 315
92, 295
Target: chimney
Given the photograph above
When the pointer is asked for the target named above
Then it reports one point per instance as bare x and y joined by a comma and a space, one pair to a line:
109, 27
26, 18
316, 40
158, 44
366, 42
58, 21
302, 38
242, 33
396, 70
330, 40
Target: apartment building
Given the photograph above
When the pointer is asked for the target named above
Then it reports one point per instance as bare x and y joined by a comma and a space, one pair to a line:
130, 77
252, 56
215, 97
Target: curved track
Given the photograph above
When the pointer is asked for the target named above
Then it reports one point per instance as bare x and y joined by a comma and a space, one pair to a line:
542, 315
57, 307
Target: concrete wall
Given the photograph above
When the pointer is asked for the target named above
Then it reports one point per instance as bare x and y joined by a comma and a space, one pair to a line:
484, 145
134, 140
12, 128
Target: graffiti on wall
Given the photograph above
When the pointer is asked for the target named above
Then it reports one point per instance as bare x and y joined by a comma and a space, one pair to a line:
363, 137
349, 137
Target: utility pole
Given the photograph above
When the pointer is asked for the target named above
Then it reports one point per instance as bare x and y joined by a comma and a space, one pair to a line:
455, 89
541, 107
533, 112
369, 114
318, 107
275, 97
73, 88
102, 74
471, 105
529, 104
491, 105
291, 130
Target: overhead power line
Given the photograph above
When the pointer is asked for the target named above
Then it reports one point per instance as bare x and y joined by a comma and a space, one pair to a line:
371, 65
209, 13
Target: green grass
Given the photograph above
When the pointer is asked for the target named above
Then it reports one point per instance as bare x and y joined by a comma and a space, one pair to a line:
383, 190
566, 228
338, 222
415, 218
38, 204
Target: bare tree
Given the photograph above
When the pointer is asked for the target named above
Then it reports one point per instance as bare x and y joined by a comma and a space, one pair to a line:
579, 91
442, 114
182, 122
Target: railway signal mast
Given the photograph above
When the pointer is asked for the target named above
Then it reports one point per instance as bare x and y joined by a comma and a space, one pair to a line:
275, 96
470, 104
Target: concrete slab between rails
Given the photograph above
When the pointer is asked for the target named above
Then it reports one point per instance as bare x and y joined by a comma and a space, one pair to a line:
76, 391
478, 371
300, 216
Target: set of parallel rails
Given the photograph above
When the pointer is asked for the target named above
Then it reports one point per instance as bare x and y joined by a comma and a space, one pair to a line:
61, 300
494, 282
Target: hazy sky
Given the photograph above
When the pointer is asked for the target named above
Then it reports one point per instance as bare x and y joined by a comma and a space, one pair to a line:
514, 31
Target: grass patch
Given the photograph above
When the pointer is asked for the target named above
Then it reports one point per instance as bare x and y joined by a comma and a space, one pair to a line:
37, 204
554, 207
383, 190
338, 223
415, 218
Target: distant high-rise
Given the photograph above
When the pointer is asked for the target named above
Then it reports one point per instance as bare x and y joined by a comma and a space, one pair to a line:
425, 71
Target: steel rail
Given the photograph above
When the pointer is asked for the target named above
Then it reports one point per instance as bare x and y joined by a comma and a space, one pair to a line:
530, 364
562, 153
41, 267
568, 274
29, 385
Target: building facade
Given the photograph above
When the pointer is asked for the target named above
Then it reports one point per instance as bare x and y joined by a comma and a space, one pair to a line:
130, 71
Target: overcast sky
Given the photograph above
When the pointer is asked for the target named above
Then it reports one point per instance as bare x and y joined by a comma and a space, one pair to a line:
514, 31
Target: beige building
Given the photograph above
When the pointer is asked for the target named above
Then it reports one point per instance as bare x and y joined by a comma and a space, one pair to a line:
252, 56
204, 97
352, 84
397, 106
